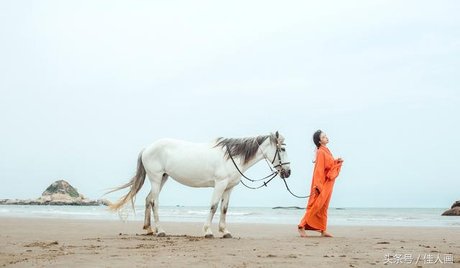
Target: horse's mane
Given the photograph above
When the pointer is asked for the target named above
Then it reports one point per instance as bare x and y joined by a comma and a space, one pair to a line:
246, 148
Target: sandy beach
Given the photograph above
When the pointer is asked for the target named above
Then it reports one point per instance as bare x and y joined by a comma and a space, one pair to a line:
29, 242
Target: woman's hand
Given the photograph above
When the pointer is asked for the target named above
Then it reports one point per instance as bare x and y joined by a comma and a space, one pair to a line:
317, 190
340, 160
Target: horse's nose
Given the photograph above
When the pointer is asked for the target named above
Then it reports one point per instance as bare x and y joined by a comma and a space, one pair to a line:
288, 173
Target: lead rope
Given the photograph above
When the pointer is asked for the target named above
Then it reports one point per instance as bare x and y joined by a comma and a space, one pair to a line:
284, 180
289, 190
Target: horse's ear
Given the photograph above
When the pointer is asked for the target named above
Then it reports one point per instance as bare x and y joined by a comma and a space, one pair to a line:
277, 134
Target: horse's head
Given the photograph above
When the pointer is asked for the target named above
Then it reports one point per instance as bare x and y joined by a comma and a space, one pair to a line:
280, 158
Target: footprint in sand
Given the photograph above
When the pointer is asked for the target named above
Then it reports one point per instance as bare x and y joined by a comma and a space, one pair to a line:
42, 244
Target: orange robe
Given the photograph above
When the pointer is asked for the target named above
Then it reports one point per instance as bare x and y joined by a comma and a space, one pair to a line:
325, 172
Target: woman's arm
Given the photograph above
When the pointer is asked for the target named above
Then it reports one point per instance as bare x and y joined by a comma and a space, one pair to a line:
333, 173
318, 173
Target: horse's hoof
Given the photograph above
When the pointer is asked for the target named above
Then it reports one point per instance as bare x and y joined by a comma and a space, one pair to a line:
150, 233
209, 236
227, 236
162, 234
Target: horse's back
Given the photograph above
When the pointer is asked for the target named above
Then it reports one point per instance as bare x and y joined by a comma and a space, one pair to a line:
173, 155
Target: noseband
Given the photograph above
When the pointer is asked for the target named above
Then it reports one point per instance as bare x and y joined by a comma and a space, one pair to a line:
278, 153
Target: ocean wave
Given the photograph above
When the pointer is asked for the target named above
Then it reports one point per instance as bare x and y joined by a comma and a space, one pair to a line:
206, 212
60, 212
349, 217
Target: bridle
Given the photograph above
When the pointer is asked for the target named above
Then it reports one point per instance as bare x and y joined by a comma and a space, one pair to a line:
271, 176
277, 153
274, 170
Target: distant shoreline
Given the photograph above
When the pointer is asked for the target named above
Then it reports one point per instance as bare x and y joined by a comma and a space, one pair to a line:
291, 207
141, 205
17, 202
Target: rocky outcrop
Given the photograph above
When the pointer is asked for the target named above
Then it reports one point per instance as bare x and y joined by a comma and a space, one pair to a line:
454, 210
59, 193
456, 204
61, 188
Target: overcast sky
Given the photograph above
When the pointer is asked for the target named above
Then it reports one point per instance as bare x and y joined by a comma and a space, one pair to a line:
85, 85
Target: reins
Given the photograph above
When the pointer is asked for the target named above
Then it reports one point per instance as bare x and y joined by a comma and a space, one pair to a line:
272, 175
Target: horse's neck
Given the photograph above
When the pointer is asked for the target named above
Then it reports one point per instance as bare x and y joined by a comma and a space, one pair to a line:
259, 156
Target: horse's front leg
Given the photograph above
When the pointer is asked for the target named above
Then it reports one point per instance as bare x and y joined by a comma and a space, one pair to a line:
219, 189
223, 213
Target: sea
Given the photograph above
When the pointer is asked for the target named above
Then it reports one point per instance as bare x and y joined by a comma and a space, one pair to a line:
417, 217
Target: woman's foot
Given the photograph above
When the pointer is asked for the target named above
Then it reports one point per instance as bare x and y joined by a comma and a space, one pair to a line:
302, 232
326, 234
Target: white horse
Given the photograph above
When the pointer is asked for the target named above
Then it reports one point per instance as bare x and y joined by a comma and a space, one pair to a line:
217, 164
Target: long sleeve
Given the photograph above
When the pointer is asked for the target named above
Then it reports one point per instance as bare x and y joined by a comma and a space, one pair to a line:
318, 173
333, 173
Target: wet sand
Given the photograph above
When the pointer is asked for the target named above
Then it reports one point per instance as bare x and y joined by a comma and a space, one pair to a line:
29, 242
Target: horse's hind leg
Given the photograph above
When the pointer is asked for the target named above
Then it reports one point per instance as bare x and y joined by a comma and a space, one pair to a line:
149, 202
157, 183
148, 212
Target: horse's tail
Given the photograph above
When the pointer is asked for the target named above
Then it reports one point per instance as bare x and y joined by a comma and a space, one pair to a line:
135, 183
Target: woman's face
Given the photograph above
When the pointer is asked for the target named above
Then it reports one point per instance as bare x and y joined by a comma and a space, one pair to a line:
323, 139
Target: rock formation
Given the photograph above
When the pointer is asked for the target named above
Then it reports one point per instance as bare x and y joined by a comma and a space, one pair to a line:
61, 187
454, 210
58, 193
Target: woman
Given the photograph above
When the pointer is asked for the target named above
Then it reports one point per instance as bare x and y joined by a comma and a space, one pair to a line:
325, 172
